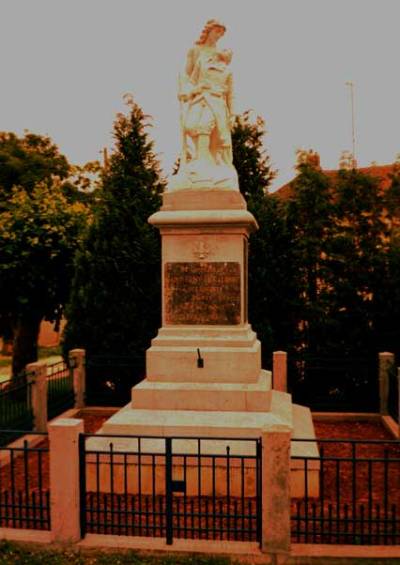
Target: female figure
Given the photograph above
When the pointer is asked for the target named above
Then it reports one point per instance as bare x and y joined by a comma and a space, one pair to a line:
206, 109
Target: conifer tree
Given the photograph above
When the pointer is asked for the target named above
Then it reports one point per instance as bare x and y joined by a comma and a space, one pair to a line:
340, 242
309, 217
358, 255
387, 293
115, 305
270, 266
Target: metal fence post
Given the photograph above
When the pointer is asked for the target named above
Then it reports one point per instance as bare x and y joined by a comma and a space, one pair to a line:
386, 363
76, 358
37, 372
65, 510
168, 490
276, 490
82, 483
279, 370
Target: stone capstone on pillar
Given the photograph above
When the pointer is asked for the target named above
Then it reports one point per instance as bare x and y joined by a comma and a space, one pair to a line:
64, 479
386, 365
77, 358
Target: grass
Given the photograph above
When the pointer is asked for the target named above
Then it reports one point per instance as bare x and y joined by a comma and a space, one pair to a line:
43, 353
22, 554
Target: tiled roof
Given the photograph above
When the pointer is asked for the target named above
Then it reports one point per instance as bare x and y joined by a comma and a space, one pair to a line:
381, 171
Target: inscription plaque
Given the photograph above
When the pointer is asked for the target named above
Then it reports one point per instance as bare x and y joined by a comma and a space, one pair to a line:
202, 293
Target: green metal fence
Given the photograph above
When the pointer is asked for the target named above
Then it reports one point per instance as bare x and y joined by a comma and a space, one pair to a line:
16, 404
60, 389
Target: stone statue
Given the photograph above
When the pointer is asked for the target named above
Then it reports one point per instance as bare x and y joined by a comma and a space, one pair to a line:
206, 98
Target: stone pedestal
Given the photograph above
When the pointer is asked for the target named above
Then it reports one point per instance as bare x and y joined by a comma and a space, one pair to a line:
205, 336
206, 359
203, 369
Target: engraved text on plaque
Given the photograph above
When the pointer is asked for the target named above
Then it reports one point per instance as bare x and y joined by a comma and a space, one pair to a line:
202, 293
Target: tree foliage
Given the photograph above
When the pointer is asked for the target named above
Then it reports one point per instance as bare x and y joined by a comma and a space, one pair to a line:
27, 160
40, 230
115, 303
270, 266
345, 249
357, 258
387, 291
309, 216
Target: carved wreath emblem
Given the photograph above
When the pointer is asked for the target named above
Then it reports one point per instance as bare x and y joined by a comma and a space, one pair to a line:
201, 250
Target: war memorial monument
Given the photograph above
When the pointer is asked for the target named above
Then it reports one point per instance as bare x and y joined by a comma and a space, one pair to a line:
203, 369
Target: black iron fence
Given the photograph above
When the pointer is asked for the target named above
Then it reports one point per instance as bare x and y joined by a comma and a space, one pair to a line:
24, 492
354, 497
60, 389
393, 397
16, 405
197, 488
332, 384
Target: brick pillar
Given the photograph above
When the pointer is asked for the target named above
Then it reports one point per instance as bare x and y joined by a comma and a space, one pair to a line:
76, 359
279, 370
276, 491
64, 479
37, 373
386, 364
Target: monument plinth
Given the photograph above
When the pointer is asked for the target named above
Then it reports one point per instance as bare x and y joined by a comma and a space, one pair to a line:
203, 369
205, 335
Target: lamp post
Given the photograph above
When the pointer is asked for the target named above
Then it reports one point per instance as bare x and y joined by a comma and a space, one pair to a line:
350, 84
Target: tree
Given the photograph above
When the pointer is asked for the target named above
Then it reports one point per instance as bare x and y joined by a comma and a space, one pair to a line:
40, 230
309, 216
28, 160
116, 297
31, 167
357, 262
387, 295
270, 266
249, 157
340, 239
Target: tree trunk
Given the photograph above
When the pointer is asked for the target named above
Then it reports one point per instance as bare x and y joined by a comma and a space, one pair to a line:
26, 333
6, 332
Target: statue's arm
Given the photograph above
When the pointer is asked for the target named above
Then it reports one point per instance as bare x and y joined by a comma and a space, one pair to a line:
229, 95
187, 81
190, 62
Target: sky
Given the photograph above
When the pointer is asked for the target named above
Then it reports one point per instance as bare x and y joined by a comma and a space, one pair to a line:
66, 64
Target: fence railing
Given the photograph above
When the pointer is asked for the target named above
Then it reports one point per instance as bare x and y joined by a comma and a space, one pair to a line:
24, 489
357, 497
60, 389
16, 404
41, 393
197, 488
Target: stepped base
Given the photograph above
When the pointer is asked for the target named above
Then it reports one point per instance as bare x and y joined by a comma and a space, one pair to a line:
230, 354
187, 424
237, 397
190, 423
213, 466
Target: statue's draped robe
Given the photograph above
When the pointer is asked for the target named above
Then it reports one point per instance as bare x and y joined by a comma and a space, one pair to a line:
208, 91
